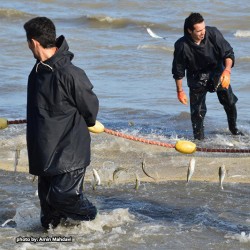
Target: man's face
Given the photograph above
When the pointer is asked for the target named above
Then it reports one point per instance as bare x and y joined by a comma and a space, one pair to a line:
199, 32
32, 47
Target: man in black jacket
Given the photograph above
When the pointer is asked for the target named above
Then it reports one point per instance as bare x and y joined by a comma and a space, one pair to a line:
60, 107
207, 59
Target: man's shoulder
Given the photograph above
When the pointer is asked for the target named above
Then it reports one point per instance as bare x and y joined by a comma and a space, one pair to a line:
211, 30
180, 42
70, 69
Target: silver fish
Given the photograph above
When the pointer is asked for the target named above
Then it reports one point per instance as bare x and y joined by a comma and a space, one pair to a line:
143, 164
117, 171
222, 174
96, 179
191, 168
16, 158
152, 34
131, 123
34, 178
6, 222
137, 182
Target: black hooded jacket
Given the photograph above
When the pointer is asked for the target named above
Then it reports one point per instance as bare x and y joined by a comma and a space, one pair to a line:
60, 107
201, 60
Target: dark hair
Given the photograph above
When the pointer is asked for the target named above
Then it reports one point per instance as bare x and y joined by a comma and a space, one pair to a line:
41, 29
191, 20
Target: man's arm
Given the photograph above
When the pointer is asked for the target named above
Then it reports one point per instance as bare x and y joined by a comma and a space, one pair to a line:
225, 76
86, 100
228, 64
180, 93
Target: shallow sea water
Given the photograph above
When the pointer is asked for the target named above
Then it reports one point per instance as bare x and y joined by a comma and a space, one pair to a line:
131, 74
168, 215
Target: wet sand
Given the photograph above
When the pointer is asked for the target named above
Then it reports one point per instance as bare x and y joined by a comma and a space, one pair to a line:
119, 160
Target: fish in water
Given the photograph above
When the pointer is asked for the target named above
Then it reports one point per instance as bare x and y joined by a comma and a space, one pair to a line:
143, 164
137, 181
190, 169
96, 180
16, 158
34, 178
117, 171
222, 174
6, 222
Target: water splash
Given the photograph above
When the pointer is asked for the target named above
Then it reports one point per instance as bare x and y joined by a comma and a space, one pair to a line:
242, 237
104, 222
26, 217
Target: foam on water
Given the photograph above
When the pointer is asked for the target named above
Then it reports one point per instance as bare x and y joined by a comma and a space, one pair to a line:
104, 222
243, 237
12, 14
26, 217
242, 33
156, 47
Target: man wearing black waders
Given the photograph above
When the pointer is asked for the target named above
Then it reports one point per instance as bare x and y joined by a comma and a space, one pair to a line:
60, 107
207, 59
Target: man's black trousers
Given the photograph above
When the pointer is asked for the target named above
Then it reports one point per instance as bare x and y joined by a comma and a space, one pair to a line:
198, 108
61, 196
